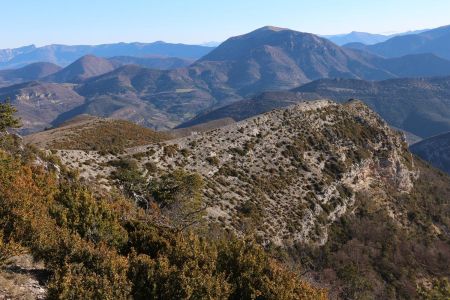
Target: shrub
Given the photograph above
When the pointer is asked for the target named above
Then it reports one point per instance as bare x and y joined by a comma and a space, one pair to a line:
439, 289
170, 150
213, 160
179, 195
104, 247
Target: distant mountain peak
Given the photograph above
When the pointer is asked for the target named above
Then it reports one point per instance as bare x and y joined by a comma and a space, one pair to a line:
89, 58
85, 67
30, 72
271, 28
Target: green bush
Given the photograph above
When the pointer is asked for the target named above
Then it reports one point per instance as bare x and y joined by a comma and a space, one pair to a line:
104, 247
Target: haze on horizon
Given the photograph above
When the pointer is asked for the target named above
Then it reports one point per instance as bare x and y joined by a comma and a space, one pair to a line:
197, 21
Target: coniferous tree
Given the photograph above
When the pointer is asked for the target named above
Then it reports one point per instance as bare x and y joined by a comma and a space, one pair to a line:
7, 116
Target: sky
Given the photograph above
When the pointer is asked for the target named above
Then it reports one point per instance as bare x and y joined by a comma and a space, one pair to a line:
43, 22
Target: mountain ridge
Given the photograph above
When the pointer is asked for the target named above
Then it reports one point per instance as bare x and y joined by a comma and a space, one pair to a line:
30, 72
64, 55
259, 136
435, 41
327, 187
416, 105
83, 68
366, 38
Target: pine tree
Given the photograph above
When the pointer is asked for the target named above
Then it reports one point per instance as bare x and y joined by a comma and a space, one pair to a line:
7, 116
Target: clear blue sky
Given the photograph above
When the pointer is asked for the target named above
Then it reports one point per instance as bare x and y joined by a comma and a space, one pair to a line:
43, 22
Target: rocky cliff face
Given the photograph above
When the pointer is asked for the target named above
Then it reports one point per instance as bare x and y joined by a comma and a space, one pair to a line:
285, 175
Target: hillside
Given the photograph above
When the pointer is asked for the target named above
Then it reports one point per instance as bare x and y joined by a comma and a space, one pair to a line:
418, 106
63, 240
417, 65
277, 58
242, 157
153, 62
435, 150
309, 181
86, 67
39, 103
152, 98
196, 129
28, 73
93, 133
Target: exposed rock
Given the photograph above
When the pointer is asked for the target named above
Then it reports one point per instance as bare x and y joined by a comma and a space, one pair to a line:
22, 278
288, 174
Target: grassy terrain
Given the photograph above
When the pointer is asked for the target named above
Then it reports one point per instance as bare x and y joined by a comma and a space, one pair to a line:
96, 134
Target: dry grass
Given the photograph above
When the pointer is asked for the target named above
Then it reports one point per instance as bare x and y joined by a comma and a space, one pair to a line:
97, 134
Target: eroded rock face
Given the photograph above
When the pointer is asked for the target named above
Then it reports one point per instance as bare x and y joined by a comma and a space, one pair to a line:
288, 174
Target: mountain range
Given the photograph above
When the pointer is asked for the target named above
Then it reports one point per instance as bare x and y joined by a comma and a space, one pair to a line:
357, 37
275, 166
64, 55
435, 41
365, 37
392, 45
30, 72
85, 67
266, 59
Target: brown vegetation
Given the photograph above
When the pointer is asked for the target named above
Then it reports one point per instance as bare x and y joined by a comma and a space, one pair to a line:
107, 248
